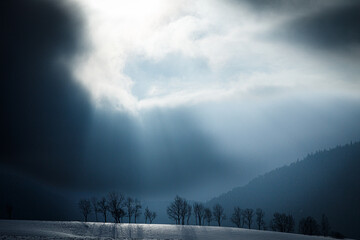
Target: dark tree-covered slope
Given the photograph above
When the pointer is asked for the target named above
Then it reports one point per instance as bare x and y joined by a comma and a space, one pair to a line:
324, 182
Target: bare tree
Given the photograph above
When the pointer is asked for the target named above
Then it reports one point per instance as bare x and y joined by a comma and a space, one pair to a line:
179, 210
103, 207
236, 216
184, 210
282, 222
308, 226
290, 224
85, 208
198, 212
137, 209
325, 226
152, 217
278, 222
115, 203
147, 214
207, 216
242, 219
95, 207
188, 213
218, 212
248, 213
129, 207
260, 218
174, 211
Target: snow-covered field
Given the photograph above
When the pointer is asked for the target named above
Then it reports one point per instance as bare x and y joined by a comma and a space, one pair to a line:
46, 230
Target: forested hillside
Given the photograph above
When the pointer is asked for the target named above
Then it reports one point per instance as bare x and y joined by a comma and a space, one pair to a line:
325, 182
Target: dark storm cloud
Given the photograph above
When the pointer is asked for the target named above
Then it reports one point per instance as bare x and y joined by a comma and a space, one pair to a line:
44, 112
50, 131
327, 25
287, 7
335, 28
292, 6
276, 5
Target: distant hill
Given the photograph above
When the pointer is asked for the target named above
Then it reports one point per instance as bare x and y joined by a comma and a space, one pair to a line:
324, 182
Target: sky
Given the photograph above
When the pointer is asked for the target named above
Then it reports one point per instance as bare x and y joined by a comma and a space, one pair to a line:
155, 98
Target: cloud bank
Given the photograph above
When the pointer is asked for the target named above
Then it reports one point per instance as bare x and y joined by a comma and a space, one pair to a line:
176, 54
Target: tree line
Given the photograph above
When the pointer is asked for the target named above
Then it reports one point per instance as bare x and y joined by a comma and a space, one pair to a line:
180, 211
127, 209
122, 208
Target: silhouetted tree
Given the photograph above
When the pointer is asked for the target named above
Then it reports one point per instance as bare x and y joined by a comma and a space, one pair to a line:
218, 212
248, 214
308, 226
85, 208
103, 207
174, 211
152, 217
325, 226
147, 214
290, 224
236, 216
129, 208
282, 222
242, 219
207, 215
137, 209
115, 203
188, 214
198, 212
95, 207
278, 222
260, 218
184, 210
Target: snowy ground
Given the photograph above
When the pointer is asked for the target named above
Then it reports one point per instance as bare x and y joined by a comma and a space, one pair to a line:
46, 230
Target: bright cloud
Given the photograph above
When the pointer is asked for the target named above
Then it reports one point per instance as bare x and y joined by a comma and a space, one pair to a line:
233, 42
